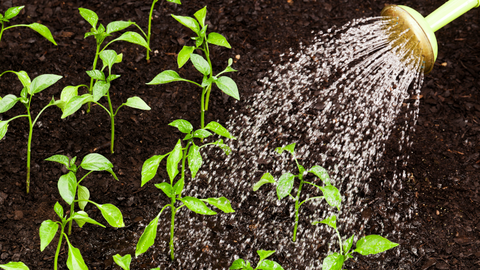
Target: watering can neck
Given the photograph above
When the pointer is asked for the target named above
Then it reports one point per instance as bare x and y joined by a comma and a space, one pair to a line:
449, 12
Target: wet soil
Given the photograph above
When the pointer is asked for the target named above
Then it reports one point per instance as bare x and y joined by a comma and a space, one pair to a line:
442, 187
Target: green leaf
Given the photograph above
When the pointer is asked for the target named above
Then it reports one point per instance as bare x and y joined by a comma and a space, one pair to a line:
137, 103
69, 92
67, 187
183, 125
83, 194
200, 63
47, 232
148, 237
42, 30
14, 266
42, 82
109, 57
150, 167
201, 133
75, 259
332, 196
347, 245
112, 77
189, 22
266, 178
373, 244
219, 129
100, 88
226, 149
75, 103
217, 39
228, 86
111, 214
200, 15
321, 173
90, 16
166, 76
96, 162
60, 159
330, 221
117, 26
3, 128
24, 79
238, 264
176, 2
184, 55
166, 188
178, 187
96, 74
134, 38
197, 206
173, 160
7, 102
221, 203
12, 12
263, 254
285, 185
333, 262
58, 209
194, 160
290, 148
82, 216
269, 265
124, 262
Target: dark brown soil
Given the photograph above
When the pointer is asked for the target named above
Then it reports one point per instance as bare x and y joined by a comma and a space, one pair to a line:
443, 190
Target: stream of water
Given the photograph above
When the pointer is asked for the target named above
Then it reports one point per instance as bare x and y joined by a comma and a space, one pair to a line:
340, 99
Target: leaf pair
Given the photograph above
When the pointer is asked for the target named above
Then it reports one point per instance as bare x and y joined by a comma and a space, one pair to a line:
262, 264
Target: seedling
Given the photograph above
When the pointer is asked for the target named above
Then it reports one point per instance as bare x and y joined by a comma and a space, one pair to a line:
286, 181
13, 12
262, 264
149, 33
69, 187
226, 84
370, 244
30, 88
124, 261
191, 151
100, 33
14, 266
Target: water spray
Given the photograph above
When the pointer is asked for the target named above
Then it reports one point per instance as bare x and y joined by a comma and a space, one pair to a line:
423, 28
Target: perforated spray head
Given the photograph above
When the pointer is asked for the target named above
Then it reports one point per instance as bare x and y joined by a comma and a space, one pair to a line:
422, 29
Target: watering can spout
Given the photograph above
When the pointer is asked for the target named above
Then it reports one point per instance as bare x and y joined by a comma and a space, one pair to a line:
423, 28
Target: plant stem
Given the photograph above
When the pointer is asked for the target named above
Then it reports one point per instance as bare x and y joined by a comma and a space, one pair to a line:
340, 239
172, 226
55, 263
297, 208
72, 209
29, 147
150, 28
90, 90
112, 123
202, 109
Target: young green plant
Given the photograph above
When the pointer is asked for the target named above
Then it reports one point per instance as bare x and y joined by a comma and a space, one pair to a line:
262, 264
70, 187
100, 33
125, 261
191, 153
370, 244
149, 32
286, 182
14, 266
13, 12
203, 65
30, 88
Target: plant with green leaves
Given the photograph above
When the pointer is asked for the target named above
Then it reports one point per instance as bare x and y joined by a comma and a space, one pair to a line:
30, 88
370, 244
71, 101
149, 33
286, 182
100, 33
13, 12
14, 266
180, 153
263, 264
203, 65
70, 187
124, 261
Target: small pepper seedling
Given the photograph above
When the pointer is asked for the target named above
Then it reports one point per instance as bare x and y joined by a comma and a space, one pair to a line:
263, 264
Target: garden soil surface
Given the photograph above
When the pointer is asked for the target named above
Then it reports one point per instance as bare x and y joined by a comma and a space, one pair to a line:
442, 189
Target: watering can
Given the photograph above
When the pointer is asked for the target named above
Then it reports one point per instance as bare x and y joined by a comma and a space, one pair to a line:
423, 28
